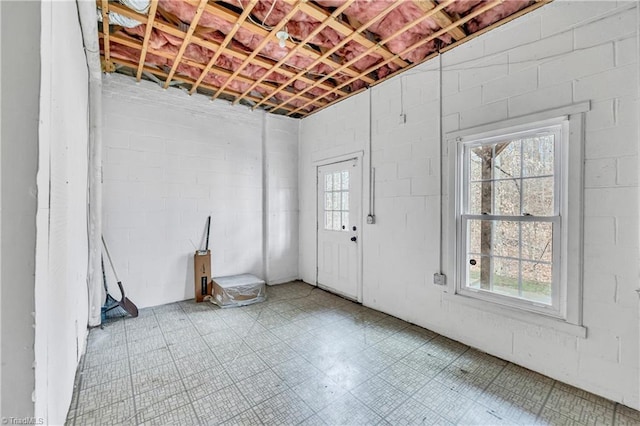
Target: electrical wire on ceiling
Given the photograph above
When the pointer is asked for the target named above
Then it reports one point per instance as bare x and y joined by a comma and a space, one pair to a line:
262, 25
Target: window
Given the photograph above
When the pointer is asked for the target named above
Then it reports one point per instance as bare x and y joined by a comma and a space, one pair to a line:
336, 201
511, 217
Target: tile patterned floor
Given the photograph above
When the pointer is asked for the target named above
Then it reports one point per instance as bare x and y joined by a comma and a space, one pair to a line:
308, 357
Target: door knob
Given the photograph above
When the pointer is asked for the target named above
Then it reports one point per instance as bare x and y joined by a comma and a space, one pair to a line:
354, 239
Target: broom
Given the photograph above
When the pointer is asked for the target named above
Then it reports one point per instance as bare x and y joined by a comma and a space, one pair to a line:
124, 303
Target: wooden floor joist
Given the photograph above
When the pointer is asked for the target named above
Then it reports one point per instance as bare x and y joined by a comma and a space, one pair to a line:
320, 14
372, 21
293, 51
442, 18
433, 36
186, 41
387, 39
258, 49
163, 75
235, 57
105, 24
267, 87
211, 45
147, 36
243, 16
232, 17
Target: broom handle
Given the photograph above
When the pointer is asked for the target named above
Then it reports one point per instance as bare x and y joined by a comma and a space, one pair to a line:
106, 250
208, 228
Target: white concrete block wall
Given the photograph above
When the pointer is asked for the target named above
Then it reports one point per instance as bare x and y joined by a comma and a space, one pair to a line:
170, 161
61, 310
555, 56
281, 179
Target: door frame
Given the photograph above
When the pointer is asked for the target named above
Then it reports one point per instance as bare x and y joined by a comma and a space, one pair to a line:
358, 156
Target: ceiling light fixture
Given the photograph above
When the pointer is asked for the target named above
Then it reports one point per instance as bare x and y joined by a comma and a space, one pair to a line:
282, 37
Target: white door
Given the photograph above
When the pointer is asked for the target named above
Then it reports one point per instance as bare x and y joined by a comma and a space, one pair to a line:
339, 195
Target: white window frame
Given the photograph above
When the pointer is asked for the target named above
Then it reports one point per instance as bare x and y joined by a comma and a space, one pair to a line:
568, 316
560, 130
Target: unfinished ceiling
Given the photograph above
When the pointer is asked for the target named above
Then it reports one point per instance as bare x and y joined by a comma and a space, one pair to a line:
291, 57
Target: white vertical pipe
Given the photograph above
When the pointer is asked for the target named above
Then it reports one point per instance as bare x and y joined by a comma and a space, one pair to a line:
88, 22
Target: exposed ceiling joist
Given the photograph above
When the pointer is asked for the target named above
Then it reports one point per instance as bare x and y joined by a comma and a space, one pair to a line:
230, 16
210, 45
320, 14
332, 49
163, 76
186, 41
105, 23
433, 36
147, 35
373, 20
134, 44
262, 44
391, 37
531, 8
441, 17
293, 51
243, 16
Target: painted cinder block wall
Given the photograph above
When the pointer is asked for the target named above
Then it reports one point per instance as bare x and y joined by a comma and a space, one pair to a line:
171, 160
563, 53
61, 299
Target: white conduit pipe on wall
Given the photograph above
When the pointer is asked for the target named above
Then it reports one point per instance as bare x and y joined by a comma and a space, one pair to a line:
88, 22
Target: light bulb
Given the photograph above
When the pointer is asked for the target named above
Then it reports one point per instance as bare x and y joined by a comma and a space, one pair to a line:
282, 37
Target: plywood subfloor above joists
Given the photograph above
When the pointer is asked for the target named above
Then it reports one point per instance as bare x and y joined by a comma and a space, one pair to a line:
292, 57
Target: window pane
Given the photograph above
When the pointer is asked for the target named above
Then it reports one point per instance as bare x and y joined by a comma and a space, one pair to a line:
536, 281
474, 228
345, 201
506, 239
328, 220
336, 181
345, 179
337, 225
537, 156
478, 272
538, 196
480, 198
328, 182
336, 200
537, 241
328, 201
505, 276
507, 197
507, 160
480, 237
345, 220
475, 165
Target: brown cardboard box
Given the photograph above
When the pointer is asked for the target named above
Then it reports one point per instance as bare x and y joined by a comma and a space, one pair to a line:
202, 270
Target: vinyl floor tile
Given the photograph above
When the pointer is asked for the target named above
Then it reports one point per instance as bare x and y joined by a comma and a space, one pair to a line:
308, 357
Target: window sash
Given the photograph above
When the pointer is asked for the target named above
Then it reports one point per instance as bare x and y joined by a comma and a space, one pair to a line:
555, 309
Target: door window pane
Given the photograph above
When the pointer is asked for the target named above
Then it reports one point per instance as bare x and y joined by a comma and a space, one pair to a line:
345, 180
328, 182
336, 201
